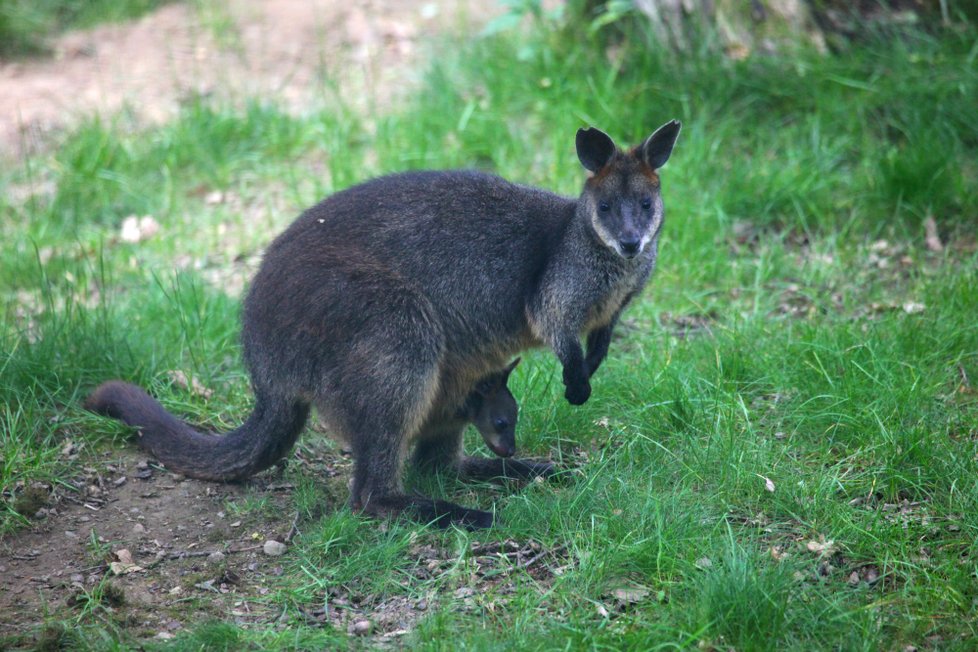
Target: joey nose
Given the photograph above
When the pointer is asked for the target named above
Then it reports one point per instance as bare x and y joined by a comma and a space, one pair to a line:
630, 245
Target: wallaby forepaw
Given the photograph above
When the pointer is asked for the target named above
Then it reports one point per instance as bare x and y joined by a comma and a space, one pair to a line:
578, 394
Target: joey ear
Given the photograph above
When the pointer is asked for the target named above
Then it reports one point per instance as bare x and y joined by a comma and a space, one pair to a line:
594, 148
656, 149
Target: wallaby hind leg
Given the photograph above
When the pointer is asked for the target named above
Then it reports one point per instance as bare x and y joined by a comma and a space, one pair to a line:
377, 490
379, 443
441, 451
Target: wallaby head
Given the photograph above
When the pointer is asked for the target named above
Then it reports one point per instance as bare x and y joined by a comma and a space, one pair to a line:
492, 409
621, 199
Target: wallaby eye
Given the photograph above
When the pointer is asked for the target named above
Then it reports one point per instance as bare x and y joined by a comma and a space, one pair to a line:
646, 203
604, 206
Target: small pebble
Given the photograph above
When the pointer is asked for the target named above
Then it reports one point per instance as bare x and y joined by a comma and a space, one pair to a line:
215, 557
362, 627
274, 548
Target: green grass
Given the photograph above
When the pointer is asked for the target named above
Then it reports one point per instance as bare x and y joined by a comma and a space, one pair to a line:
808, 370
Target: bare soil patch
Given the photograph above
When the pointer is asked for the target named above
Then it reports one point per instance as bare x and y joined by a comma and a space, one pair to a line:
149, 550
293, 52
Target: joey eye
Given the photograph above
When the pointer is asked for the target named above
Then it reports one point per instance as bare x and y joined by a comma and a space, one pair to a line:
604, 206
646, 203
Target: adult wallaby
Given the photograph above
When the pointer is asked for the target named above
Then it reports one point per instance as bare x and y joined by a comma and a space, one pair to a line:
384, 304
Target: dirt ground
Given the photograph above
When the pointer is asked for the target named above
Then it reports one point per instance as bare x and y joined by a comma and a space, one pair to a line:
150, 553
148, 549
292, 51
141, 545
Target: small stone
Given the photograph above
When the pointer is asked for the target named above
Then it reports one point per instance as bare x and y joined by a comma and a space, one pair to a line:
217, 556
274, 548
139, 528
362, 627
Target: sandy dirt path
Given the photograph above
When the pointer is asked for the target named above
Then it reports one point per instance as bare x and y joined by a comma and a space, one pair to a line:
291, 51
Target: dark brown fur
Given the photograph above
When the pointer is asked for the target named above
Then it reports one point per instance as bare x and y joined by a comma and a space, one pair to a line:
386, 303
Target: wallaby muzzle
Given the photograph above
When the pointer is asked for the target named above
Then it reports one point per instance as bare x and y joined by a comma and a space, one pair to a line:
502, 444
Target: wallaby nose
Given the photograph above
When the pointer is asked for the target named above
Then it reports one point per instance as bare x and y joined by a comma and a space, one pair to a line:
630, 244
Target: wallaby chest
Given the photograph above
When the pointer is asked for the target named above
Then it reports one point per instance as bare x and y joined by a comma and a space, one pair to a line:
605, 308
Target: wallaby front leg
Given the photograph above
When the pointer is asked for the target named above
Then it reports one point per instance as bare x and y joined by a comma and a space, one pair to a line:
576, 383
599, 340
597, 348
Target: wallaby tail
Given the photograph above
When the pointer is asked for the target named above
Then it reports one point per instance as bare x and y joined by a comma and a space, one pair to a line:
262, 440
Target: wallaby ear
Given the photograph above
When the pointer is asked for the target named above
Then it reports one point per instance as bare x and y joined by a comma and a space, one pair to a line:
656, 149
594, 148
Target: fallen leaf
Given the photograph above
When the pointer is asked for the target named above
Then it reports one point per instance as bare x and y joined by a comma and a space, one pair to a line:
912, 307
778, 553
125, 563
703, 562
767, 483
822, 547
